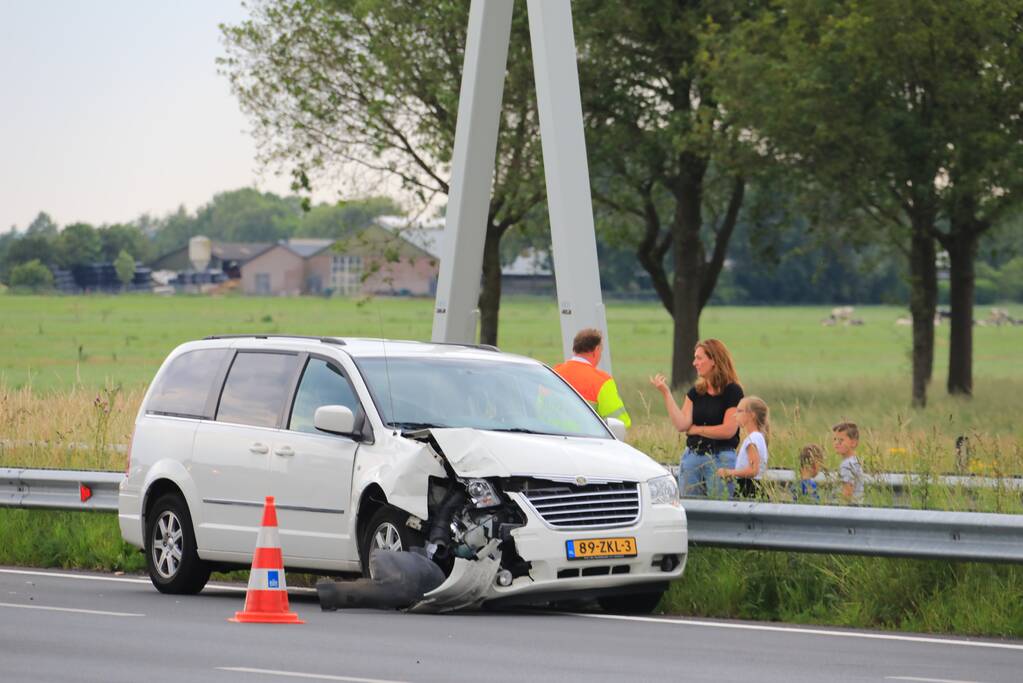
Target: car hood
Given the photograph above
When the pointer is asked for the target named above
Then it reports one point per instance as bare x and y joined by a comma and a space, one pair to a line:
480, 453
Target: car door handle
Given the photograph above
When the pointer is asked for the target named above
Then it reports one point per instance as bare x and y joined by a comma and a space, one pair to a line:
284, 451
259, 448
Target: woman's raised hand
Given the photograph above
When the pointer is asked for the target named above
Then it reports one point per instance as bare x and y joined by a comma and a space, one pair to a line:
660, 383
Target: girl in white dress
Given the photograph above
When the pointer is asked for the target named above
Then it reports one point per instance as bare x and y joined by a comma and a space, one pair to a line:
751, 460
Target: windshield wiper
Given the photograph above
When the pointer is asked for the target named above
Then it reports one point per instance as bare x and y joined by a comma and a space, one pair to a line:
412, 426
518, 430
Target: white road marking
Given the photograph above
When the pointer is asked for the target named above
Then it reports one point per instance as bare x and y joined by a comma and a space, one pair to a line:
83, 577
69, 609
809, 631
298, 674
925, 680
129, 579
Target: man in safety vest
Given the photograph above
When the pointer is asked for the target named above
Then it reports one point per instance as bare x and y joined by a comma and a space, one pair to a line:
593, 384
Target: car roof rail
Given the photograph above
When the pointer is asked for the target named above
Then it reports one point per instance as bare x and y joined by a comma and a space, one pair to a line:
482, 347
257, 335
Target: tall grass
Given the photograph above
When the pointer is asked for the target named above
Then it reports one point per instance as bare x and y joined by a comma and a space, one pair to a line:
77, 428
861, 592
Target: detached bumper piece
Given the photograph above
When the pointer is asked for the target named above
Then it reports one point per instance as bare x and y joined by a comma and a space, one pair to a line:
400, 579
468, 584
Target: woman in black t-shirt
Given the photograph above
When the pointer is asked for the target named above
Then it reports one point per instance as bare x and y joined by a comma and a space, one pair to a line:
708, 418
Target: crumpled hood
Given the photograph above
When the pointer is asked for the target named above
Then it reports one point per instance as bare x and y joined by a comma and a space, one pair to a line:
478, 453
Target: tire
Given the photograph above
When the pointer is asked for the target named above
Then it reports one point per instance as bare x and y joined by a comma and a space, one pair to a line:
171, 558
387, 530
636, 603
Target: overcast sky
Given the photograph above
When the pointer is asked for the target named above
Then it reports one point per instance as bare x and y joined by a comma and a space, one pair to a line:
114, 108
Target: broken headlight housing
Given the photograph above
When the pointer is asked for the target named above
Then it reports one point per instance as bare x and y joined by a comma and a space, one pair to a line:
664, 491
482, 493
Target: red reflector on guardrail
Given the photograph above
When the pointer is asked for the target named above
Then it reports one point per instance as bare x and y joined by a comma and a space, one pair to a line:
84, 492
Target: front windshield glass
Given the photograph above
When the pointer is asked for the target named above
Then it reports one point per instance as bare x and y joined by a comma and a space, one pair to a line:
415, 393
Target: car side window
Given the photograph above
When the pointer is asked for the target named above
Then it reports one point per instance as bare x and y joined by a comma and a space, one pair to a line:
185, 385
322, 385
256, 388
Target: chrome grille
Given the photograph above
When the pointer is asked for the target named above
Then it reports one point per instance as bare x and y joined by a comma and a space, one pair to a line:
594, 505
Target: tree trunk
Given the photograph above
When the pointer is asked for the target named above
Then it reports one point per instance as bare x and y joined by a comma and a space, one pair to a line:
490, 292
962, 254
688, 276
923, 301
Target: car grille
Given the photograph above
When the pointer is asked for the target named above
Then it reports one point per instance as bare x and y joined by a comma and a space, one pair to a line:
594, 505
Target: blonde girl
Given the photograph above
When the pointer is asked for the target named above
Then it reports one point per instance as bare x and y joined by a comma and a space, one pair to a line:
754, 419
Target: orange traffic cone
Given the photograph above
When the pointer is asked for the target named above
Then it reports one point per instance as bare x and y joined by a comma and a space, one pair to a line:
266, 600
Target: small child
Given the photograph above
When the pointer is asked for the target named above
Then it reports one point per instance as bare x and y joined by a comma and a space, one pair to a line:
811, 459
846, 436
751, 459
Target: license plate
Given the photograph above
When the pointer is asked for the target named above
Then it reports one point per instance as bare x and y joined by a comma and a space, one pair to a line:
600, 548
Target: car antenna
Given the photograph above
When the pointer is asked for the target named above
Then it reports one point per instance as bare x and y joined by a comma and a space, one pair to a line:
387, 365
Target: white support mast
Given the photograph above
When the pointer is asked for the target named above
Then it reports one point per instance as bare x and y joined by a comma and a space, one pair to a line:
580, 302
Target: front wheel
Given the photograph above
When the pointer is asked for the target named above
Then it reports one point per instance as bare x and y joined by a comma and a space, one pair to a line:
171, 556
387, 530
637, 603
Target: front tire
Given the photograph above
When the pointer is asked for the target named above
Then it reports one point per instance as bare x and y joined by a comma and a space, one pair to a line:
637, 603
171, 556
387, 530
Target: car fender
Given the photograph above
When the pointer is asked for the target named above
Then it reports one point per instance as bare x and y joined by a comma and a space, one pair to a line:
402, 469
176, 473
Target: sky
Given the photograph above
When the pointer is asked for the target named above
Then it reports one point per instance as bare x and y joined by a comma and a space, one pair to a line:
114, 108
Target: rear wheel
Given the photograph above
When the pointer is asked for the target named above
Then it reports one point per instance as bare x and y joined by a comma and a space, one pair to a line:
171, 557
387, 530
637, 603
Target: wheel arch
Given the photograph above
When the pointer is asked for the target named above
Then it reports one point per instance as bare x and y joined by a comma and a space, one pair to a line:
371, 500
165, 477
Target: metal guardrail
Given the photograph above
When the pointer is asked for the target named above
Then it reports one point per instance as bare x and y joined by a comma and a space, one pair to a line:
59, 489
900, 483
884, 532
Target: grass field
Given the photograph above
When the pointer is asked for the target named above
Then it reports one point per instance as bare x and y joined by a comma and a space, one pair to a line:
56, 342
89, 359
74, 369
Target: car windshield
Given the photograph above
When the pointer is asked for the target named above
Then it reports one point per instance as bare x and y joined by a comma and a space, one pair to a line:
417, 393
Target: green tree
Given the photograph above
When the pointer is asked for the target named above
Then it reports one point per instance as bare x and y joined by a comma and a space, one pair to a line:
344, 218
248, 215
173, 231
369, 89
29, 247
1010, 280
663, 154
42, 226
117, 238
32, 276
867, 101
124, 264
78, 244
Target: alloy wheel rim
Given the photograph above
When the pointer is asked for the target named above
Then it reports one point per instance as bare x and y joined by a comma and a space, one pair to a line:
167, 545
386, 537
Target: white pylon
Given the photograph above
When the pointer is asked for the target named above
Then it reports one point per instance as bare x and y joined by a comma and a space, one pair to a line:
580, 303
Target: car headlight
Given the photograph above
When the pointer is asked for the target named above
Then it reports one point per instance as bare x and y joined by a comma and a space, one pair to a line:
664, 491
482, 493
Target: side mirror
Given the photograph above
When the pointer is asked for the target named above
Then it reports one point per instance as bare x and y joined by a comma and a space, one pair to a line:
617, 428
335, 419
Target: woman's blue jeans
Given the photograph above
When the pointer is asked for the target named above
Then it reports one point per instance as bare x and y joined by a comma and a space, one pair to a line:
697, 474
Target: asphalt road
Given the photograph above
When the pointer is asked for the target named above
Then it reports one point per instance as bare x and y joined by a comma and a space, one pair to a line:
63, 626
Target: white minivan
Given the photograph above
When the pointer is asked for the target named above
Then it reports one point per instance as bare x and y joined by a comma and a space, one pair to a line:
489, 460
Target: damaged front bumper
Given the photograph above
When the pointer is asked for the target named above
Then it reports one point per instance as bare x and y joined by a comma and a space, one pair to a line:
661, 543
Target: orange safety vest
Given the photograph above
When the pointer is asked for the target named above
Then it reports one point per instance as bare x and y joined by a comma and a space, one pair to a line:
596, 386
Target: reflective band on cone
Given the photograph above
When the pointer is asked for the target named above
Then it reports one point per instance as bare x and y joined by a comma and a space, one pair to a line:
266, 600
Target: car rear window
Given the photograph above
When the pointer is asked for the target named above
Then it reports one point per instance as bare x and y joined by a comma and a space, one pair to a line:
256, 389
184, 387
